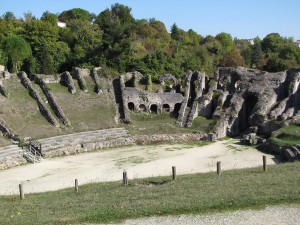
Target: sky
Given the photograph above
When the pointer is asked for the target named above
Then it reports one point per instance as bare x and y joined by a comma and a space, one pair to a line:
241, 18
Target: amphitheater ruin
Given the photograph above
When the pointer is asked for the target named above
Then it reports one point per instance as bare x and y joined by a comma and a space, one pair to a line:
240, 100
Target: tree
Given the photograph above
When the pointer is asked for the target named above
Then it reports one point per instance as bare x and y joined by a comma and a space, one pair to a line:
17, 50
232, 59
49, 17
175, 33
9, 17
257, 53
272, 43
28, 16
76, 13
226, 42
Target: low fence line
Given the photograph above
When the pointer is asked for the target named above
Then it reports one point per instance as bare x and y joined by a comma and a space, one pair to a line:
125, 177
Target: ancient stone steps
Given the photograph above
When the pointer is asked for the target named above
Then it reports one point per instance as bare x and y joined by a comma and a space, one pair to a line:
82, 138
10, 151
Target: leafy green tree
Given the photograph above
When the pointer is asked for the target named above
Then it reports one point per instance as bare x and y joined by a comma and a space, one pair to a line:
9, 17
38, 32
226, 42
3, 57
272, 43
49, 17
257, 53
232, 59
118, 26
17, 50
75, 14
28, 16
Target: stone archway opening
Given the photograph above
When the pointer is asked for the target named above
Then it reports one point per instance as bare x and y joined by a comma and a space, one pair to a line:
131, 106
175, 112
153, 108
142, 108
166, 108
246, 111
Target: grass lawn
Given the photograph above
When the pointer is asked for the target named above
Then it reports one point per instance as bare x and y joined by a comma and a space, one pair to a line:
147, 124
287, 136
188, 194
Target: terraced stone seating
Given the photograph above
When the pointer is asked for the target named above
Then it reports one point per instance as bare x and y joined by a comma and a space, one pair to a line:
11, 155
84, 141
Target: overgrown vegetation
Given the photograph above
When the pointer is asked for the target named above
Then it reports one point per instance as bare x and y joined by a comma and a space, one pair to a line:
189, 194
287, 136
118, 42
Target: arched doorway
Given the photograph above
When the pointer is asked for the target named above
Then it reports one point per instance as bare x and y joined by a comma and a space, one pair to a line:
246, 111
131, 106
153, 108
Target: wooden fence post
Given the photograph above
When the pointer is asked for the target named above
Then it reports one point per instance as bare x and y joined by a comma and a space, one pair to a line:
219, 168
125, 178
22, 196
76, 185
265, 163
173, 172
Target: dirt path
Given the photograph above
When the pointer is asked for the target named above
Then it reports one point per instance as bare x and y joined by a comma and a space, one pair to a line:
139, 161
273, 215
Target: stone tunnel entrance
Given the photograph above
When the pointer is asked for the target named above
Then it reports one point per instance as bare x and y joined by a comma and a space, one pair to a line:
246, 111
176, 110
153, 108
131, 106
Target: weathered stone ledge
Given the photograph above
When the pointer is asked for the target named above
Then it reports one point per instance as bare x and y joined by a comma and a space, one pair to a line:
169, 138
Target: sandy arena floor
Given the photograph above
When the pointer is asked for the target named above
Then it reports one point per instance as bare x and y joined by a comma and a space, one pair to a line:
138, 161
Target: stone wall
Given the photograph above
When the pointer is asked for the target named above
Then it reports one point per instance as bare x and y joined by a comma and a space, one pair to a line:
43, 109
79, 74
259, 99
143, 100
53, 103
68, 81
85, 141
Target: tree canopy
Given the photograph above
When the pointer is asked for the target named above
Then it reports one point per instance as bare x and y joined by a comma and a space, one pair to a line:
116, 41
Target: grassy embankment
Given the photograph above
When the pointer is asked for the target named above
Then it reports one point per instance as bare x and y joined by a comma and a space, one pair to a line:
287, 136
188, 194
85, 110
147, 124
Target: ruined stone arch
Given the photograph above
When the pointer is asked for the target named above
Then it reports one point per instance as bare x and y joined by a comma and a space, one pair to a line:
131, 106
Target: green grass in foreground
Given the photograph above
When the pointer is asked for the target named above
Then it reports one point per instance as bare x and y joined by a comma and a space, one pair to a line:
287, 136
188, 194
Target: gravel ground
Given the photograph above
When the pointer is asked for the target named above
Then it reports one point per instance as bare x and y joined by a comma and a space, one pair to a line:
272, 215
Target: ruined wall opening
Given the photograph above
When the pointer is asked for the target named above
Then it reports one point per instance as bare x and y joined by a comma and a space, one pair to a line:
129, 82
193, 89
166, 108
153, 108
175, 112
131, 106
142, 108
246, 111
